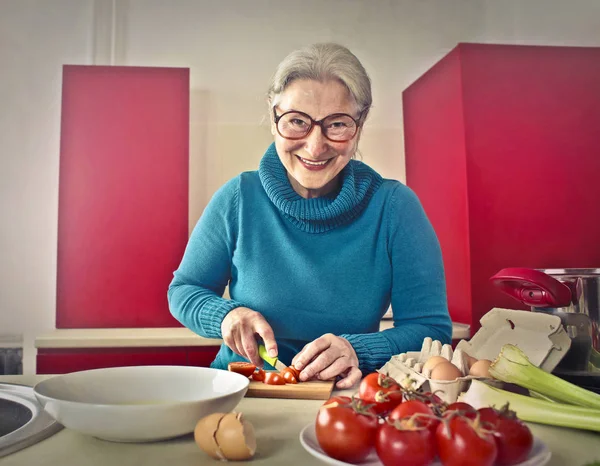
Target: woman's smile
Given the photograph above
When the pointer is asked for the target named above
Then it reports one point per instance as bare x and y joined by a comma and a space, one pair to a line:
314, 165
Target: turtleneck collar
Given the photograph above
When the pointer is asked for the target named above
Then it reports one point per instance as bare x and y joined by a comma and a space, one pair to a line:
358, 184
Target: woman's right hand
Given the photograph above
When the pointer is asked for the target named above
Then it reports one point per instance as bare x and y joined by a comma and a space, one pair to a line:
239, 329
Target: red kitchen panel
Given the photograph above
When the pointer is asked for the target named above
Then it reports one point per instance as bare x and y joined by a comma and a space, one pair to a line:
202, 356
123, 194
502, 148
434, 129
62, 361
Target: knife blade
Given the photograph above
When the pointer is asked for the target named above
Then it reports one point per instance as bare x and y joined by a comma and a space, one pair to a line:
275, 362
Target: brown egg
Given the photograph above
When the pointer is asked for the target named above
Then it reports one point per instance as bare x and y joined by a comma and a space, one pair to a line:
431, 363
226, 436
470, 360
481, 368
445, 371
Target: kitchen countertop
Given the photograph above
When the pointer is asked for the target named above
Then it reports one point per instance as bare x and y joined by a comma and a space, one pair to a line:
277, 422
156, 337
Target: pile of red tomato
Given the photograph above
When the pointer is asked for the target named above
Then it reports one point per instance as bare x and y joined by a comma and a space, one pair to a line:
408, 428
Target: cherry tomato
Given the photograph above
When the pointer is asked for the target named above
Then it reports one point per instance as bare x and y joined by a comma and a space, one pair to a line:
347, 432
462, 408
462, 442
425, 415
273, 378
244, 368
513, 438
258, 375
399, 444
381, 390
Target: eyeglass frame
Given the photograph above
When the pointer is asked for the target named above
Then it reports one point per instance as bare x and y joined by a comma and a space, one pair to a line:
319, 123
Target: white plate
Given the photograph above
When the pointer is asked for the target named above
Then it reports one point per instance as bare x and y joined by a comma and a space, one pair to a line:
540, 453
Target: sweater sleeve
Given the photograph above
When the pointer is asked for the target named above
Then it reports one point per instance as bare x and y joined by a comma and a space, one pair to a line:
418, 292
195, 293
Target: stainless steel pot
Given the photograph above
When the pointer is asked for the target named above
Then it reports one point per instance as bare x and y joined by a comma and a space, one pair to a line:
571, 294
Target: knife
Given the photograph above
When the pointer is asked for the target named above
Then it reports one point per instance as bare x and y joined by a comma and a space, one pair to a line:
276, 363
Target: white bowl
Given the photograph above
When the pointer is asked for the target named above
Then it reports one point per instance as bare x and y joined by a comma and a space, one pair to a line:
139, 403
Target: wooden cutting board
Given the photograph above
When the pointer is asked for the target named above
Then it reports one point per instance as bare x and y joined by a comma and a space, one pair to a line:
312, 390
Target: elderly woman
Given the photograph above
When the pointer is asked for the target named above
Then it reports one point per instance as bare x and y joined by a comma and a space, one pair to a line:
315, 245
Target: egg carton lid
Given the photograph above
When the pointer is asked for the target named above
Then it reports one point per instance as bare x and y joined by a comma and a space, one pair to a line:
540, 336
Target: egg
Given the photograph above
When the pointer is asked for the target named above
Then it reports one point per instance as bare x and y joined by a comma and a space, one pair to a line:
481, 368
226, 436
445, 371
431, 363
470, 360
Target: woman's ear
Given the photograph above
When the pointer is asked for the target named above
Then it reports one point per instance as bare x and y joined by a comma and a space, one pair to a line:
272, 117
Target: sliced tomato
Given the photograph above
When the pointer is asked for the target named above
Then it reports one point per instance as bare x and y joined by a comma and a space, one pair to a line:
290, 374
273, 378
289, 377
258, 375
244, 368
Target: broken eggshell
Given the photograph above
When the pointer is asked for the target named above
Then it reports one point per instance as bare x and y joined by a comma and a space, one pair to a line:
226, 436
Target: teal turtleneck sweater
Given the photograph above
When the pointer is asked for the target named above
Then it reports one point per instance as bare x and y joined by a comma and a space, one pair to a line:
314, 266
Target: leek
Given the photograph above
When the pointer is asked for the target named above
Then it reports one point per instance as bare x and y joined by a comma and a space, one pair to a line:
481, 395
513, 366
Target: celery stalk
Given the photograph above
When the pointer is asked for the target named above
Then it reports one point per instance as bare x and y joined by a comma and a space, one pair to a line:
513, 366
539, 396
481, 395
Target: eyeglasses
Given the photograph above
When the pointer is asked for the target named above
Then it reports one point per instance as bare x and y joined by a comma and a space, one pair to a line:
339, 127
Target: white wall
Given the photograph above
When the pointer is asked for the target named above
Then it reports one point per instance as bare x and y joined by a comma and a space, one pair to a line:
36, 37
232, 47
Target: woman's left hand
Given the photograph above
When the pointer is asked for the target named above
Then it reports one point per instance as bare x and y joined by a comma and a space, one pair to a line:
327, 357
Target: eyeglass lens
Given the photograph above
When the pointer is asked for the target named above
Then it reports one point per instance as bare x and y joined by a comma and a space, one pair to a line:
335, 127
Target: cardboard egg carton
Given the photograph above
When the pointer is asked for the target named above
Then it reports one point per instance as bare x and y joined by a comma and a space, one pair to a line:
540, 336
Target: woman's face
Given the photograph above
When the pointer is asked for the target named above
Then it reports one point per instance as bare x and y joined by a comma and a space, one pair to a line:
313, 163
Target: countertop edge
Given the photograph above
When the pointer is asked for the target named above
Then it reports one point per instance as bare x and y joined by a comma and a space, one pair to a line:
155, 337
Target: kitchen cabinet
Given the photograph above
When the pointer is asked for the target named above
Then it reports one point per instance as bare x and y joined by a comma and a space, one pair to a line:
64, 360
501, 146
123, 194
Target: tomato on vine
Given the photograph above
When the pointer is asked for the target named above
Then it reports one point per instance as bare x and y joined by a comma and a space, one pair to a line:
462, 408
513, 438
417, 410
405, 443
464, 442
382, 391
347, 431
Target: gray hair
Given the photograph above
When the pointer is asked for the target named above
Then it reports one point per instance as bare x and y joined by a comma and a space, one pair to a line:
320, 62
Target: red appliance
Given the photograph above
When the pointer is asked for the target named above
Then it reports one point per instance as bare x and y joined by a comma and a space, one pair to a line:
502, 147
